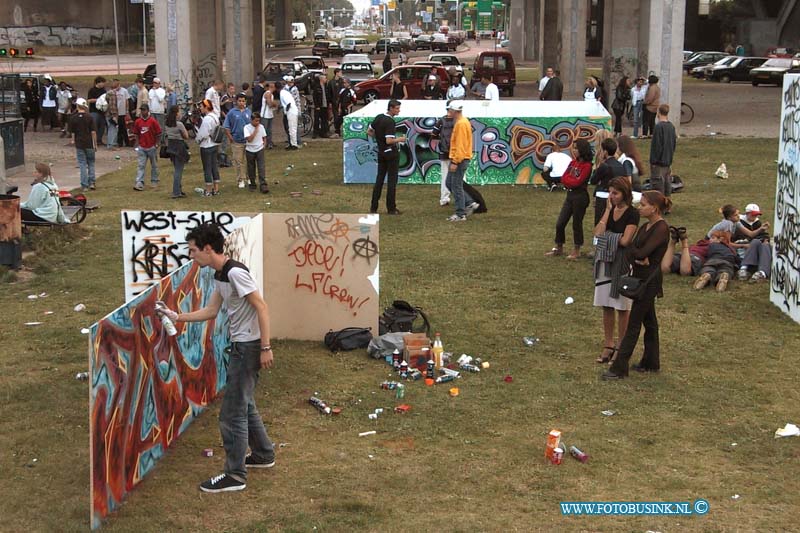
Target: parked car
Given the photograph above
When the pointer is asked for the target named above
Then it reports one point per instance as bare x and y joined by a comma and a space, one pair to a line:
772, 71
702, 58
148, 75
388, 42
736, 70
407, 43
687, 54
349, 33
505, 43
448, 60
358, 71
781, 52
428, 64
416, 32
299, 32
443, 43
424, 42
313, 63
276, 70
459, 35
414, 77
356, 58
501, 65
327, 49
699, 71
355, 44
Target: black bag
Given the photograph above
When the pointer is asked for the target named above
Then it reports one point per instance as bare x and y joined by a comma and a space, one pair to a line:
163, 151
632, 287
348, 339
400, 317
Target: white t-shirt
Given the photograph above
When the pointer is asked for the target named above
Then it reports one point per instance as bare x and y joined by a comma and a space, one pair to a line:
157, 98
288, 103
213, 96
543, 83
492, 93
266, 110
257, 144
589, 95
456, 92
557, 162
234, 288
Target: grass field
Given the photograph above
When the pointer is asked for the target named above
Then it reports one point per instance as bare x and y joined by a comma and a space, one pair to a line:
702, 428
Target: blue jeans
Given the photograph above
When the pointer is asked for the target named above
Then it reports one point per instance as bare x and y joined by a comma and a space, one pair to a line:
177, 175
239, 422
455, 182
111, 136
86, 163
637, 118
267, 123
208, 156
146, 154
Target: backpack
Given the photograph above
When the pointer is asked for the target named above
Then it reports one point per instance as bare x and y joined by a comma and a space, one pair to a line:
573, 178
218, 133
400, 317
348, 339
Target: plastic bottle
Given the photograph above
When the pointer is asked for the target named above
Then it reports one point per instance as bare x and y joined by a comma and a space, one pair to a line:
320, 405
400, 392
438, 350
199, 190
169, 327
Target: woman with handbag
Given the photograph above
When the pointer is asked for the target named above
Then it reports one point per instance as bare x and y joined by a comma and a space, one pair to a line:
613, 233
175, 148
645, 254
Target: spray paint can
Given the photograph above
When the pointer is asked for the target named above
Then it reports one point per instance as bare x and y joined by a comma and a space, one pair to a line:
470, 367
429, 370
577, 454
403, 370
396, 359
320, 405
558, 455
414, 374
445, 378
169, 327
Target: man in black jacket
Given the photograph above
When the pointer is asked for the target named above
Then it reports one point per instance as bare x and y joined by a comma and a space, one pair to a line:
323, 100
49, 103
554, 90
662, 150
335, 86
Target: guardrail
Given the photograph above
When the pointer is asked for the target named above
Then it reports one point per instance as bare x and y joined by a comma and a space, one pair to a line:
286, 43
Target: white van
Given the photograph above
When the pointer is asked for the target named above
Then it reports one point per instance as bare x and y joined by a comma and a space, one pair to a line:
299, 31
357, 45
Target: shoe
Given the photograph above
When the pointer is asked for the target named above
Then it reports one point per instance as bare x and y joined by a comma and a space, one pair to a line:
249, 462
605, 358
154, 185
758, 277
241, 184
92, 186
208, 193
702, 281
608, 375
554, 252
444, 204
83, 189
742, 274
293, 148
214, 193
457, 218
722, 283
252, 186
264, 188
395, 212
221, 483
552, 187
138, 187
469, 210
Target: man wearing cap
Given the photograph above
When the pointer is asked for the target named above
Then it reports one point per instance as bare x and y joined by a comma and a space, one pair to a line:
384, 129
346, 98
457, 89
460, 156
49, 100
157, 102
235, 121
291, 113
64, 99
84, 138
148, 132
432, 90
751, 234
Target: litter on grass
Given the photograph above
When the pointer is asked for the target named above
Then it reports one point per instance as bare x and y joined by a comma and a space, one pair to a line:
789, 430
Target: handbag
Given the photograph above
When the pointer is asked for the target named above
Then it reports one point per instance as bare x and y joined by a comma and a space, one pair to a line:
348, 339
163, 151
632, 287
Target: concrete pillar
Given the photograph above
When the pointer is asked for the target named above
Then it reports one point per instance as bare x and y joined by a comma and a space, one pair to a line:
525, 29
665, 51
572, 51
621, 44
549, 42
239, 41
283, 20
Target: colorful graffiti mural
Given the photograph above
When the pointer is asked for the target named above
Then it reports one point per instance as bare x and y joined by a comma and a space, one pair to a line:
507, 149
147, 387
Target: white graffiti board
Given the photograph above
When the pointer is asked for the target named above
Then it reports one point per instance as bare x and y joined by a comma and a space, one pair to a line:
154, 242
785, 276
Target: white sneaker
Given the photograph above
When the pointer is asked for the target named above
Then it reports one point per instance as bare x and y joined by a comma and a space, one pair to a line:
457, 218
241, 184
758, 276
471, 208
742, 274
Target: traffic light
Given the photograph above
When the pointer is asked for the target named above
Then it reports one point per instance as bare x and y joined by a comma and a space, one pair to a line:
3, 52
29, 52
13, 52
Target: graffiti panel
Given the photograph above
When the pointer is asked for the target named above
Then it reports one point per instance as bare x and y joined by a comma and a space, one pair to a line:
785, 276
506, 149
147, 387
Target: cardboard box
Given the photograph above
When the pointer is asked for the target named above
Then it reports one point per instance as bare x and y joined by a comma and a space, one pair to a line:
416, 351
553, 442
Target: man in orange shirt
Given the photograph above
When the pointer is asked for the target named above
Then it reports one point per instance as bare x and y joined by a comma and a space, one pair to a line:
460, 156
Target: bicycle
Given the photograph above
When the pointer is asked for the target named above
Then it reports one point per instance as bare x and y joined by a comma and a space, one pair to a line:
305, 121
687, 113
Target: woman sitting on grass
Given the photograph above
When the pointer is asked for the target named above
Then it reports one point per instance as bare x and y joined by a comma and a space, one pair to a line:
721, 262
43, 204
614, 232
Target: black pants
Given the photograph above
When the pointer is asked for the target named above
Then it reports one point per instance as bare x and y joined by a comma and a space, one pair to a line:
599, 208
648, 122
643, 312
337, 119
49, 117
387, 166
122, 133
321, 121
255, 159
618, 121
574, 207
28, 216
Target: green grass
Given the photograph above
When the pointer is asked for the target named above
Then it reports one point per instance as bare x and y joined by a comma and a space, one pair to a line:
474, 462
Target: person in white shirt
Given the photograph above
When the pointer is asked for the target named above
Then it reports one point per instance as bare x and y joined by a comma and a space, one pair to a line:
637, 102
49, 103
555, 164
548, 73
158, 102
256, 137
209, 148
290, 112
458, 88
212, 95
492, 93
123, 97
296, 95
268, 105
64, 99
